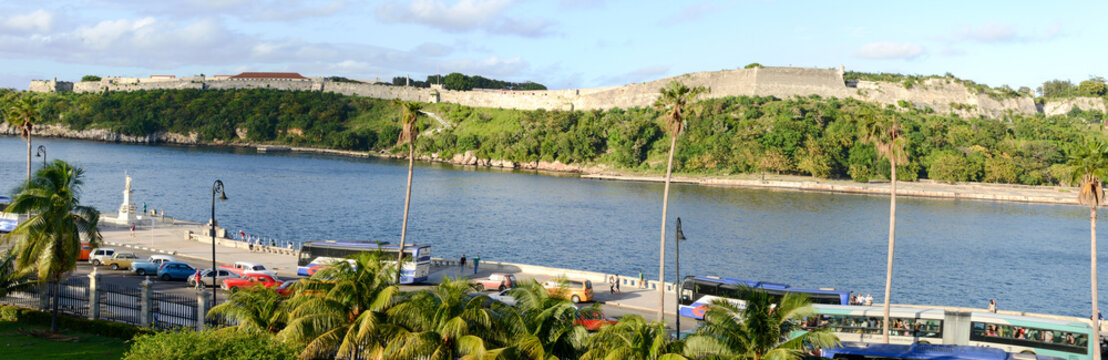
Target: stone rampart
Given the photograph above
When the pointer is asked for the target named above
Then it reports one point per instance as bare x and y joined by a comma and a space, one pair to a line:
50, 86
781, 82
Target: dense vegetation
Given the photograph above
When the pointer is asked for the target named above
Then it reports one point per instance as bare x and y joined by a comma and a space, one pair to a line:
733, 135
459, 81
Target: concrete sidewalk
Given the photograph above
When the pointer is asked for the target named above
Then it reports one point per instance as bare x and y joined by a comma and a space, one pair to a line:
173, 239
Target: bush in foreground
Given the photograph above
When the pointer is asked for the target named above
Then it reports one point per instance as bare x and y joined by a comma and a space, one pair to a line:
223, 344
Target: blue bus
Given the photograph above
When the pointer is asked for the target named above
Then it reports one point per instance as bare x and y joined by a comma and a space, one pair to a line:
920, 351
697, 292
316, 254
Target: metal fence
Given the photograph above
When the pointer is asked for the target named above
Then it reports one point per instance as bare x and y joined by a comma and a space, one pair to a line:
121, 303
171, 311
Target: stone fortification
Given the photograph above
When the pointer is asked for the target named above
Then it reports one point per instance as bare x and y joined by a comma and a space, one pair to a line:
1061, 107
941, 95
49, 86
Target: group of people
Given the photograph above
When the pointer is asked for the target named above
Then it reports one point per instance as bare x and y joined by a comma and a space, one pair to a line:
252, 240
1023, 333
476, 263
861, 300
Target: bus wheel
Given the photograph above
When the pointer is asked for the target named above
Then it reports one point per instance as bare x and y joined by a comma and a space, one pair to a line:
923, 342
1027, 352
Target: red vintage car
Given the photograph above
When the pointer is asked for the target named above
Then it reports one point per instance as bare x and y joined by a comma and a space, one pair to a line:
592, 319
248, 280
498, 281
286, 289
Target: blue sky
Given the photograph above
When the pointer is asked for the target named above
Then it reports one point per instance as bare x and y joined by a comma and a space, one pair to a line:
560, 43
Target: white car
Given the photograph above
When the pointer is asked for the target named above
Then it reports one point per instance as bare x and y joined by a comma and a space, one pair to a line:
98, 255
502, 296
245, 267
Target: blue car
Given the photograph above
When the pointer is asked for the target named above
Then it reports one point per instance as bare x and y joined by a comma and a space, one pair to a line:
176, 271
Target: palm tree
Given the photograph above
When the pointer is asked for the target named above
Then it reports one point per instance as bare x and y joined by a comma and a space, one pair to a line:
442, 323
409, 115
541, 326
337, 313
50, 239
761, 330
11, 279
883, 132
256, 310
22, 115
673, 99
1089, 162
634, 338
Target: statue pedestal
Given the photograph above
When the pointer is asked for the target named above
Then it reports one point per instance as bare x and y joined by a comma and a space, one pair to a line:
127, 209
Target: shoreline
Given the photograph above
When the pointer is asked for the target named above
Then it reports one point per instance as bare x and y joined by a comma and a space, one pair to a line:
1055, 195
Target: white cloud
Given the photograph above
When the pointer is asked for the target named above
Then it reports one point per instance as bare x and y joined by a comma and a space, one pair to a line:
890, 50
988, 33
638, 75
464, 16
38, 21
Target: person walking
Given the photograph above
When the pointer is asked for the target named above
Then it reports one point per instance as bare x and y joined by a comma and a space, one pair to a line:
132, 229
617, 285
992, 306
612, 284
476, 262
462, 263
642, 280
197, 279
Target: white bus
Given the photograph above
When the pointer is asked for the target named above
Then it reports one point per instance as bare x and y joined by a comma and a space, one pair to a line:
316, 254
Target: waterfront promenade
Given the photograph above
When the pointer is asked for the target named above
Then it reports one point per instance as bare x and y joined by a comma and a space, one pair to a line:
171, 237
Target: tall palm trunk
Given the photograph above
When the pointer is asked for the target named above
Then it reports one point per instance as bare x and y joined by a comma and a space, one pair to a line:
28, 157
54, 316
407, 201
1096, 312
665, 206
892, 243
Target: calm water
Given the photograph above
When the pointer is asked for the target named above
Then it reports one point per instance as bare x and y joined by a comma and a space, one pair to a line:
949, 252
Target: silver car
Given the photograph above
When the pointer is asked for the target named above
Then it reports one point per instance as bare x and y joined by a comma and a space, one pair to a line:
206, 277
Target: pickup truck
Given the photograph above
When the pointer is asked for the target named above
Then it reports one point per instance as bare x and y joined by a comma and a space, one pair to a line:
151, 265
241, 268
120, 260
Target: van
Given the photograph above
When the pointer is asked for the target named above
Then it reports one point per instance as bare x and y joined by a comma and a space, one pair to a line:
98, 255
574, 290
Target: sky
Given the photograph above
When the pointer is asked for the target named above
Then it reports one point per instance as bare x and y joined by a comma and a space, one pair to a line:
563, 44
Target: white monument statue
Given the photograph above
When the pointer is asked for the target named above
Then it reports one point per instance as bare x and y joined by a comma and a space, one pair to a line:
127, 209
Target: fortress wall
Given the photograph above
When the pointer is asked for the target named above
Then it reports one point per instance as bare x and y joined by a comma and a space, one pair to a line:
288, 85
87, 87
523, 100
786, 82
175, 85
378, 91
1061, 107
49, 86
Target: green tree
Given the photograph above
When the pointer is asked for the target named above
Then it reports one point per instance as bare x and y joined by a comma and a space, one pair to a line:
763, 330
409, 114
950, 166
344, 311
256, 310
12, 279
673, 100
444, 322
633, 338
22, 115
1089, 161
1094, 87
457, 81
50, 239
883, 131
90, 78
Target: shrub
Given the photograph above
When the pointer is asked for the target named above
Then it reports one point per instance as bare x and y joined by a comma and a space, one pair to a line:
98, 327
90, 78
224, 344
951, 167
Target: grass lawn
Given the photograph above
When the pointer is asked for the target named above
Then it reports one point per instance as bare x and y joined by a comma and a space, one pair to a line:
16, 345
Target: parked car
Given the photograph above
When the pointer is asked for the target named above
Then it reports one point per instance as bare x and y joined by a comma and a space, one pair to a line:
176, 270
250, 280
151, 265
498, 281
120, 260
206, 277
592, 319
244, 267
98, 255
504, 297
286, 288
575, 290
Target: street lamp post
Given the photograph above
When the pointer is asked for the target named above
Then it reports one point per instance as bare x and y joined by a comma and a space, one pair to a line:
41, 153
678, 236
216, 187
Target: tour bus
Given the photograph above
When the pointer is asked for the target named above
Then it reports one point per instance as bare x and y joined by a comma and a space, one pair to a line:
1045, 335
316, 254
697, 292
919, 352
8, 221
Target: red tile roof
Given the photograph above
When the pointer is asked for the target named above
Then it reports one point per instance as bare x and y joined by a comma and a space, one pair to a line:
269, 75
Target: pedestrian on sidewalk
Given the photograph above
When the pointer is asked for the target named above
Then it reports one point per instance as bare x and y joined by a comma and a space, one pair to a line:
143, 208
612, 284
992, 306
251, 244
197, 278
476, 262
132, 229
462, 263
617, 285
642, 280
